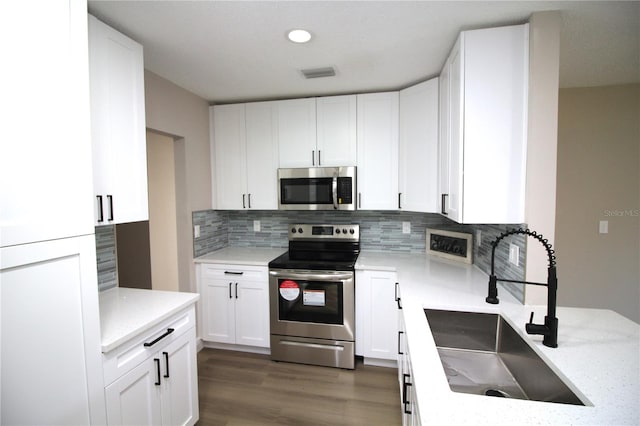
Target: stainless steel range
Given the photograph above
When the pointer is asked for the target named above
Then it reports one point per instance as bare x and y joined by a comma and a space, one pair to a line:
312, 292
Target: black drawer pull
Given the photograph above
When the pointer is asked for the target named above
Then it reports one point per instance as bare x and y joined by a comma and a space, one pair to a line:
100, 209
233, 273
149, 344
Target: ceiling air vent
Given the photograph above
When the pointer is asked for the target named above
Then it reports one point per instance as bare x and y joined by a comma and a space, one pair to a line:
319, 72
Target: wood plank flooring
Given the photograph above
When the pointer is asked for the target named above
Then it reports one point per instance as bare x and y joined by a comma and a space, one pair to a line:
244, 389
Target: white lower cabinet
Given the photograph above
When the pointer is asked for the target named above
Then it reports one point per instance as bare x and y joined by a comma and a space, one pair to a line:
234, 304
152, 379
410, 412
376, 317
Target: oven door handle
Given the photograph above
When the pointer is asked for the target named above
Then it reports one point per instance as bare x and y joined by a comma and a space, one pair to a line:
334, 190
312, 275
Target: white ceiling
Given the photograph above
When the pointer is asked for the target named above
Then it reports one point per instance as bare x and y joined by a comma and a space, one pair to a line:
227, 51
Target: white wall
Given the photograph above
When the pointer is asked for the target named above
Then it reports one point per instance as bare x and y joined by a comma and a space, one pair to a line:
540, 197
174, 111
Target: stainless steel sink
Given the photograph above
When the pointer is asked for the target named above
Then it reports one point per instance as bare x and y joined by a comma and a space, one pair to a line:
482, 354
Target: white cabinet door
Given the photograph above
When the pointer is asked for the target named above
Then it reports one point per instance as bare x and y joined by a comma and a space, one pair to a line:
117, 125
483, 155
179, 397
252, 313
45, 157
336, 130
262, 155
418, 148
134, 399
378, 151
50, 342
297, 132
377, 322
218, 314
230, 175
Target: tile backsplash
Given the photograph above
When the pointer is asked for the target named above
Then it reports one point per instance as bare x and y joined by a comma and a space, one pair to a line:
106, 257
379, 230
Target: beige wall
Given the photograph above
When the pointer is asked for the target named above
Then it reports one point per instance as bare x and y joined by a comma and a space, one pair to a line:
598, 179
184, 116
162, 212
540, 196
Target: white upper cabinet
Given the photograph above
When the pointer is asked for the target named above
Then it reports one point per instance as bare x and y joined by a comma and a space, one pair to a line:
378, 151
336, 131
245, 151
117, 126
316, 132
45, 157
297, 132
418, 148
484, 126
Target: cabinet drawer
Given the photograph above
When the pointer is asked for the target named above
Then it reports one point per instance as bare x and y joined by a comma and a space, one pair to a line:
234, 272
131, 353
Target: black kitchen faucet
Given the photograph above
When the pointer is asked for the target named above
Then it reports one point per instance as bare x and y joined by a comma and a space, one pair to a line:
550, 327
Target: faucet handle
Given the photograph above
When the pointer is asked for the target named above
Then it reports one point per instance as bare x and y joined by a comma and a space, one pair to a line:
531, 318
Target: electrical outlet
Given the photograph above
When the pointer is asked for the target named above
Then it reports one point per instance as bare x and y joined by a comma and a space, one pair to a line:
478, 238
406, 227
514, 254
196, 231
256, 226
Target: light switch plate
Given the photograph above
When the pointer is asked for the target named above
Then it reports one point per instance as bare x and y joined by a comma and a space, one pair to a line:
256, 226
478, 238
196, 231
514, 254
604, 227
406, 227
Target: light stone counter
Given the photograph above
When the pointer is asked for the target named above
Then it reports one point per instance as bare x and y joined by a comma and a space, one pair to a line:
127, 312
598, 350
241, 256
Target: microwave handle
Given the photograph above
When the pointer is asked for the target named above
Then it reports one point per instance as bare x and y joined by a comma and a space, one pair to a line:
334, 188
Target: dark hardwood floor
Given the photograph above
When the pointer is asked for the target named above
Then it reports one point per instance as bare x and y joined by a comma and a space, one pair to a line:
238, 388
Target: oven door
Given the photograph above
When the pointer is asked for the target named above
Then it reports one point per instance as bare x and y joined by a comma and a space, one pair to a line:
317, 304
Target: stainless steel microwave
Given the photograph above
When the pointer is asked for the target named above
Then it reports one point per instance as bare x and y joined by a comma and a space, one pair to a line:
317, 188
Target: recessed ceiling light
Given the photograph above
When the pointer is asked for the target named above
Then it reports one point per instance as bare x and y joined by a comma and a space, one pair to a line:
299, 36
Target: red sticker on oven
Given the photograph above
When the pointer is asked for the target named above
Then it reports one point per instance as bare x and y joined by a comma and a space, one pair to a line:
289, 290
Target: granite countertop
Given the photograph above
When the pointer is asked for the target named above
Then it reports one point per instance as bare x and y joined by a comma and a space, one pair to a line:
598, 350
241, 256
126, 312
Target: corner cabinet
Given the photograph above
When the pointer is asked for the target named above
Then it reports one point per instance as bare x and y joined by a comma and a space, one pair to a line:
117, 126
234, 304
418, 148
152, 378
377, 151
483, 126
376, 317
245, 154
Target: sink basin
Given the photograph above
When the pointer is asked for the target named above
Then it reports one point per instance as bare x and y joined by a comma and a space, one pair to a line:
482, 354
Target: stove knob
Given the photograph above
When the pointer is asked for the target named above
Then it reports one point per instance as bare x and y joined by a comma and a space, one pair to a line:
344, 231
300, 230
337, 231
293, 230
351, 231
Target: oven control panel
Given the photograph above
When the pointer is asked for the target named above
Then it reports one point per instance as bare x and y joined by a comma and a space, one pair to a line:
339, 232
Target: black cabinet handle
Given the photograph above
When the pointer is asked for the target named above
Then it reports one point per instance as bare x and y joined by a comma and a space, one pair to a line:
443, 202
236, 290
399, 334
404, 388
249, 198
149, 344
100, 209
398, 298
399, 196
230, 296
166, 363
110, 198
243, 201
319, 161
313, 158
406, 410
157, 361
233, 273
